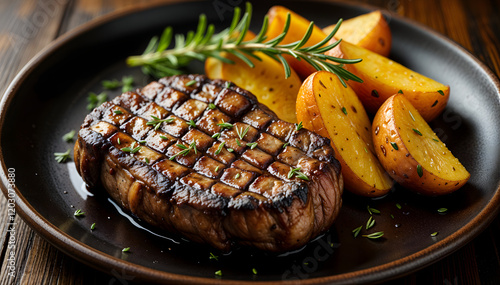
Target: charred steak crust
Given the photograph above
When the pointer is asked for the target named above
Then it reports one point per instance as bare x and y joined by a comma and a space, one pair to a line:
233, 187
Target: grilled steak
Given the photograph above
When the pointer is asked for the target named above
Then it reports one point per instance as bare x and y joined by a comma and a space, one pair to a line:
204, 159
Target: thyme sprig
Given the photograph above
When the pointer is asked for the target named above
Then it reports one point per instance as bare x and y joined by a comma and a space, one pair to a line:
159, 61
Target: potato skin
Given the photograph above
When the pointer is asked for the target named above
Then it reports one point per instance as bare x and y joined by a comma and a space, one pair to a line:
383, 78
400, 164
310, 115
369, 31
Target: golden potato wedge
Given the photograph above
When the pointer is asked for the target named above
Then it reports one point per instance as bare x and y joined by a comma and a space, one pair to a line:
325, 106
383, 78
412, 153
266, 81
298, 27
369, 31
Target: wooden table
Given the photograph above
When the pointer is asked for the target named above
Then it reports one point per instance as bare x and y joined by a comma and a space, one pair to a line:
28, 26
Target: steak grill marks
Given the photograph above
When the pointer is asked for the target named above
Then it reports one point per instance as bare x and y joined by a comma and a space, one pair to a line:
201, 136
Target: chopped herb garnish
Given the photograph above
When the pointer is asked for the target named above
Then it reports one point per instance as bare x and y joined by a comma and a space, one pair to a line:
434, 234
131, 149
230, 149
394, 145
299, 126
372, 210
68, 137
156, 122
225, 125
411, 115
344, 110
237, 176
163, 137
436, 140
127, 83
92, 227
62, 156
219, 149
217, 169
228, 84
252, 145
213, 256
285, 144
254, 271
398, 206
400, 91
241, 134
192, 82
117, 112
146, 159
126, 249
218, 272
216, 135
374, 235
297, 173
441, 92
185, 150
79, 213
142, 142
211, 106
370, 223
417, 132
238, 142
111, 84
96, 100
118, 141
356, 231
191, 123
442, 210
420, 172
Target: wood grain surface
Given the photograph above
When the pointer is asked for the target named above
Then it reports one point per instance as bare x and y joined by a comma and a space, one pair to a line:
27, 26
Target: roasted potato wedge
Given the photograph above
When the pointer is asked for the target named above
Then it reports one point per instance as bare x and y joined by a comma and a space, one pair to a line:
369, 31
266, 81
298, 27
383, 78
412, 153
325, 106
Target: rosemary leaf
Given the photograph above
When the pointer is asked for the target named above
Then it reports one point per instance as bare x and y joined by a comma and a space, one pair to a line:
159, 61
375, 235
62, 156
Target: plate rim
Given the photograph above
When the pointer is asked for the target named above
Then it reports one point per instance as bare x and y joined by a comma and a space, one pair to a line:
101, 261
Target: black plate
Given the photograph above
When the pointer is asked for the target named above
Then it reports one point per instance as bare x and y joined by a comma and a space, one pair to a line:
48, 98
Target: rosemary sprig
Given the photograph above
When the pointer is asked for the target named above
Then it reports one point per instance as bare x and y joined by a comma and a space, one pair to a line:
185, 150
297, 173
156, 122
242, 133
225, 125
131, 149
68, 137
252, 145
62, 156
159, 61
95, 100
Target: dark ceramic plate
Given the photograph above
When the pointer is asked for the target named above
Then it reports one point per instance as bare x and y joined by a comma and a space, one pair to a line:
48, 98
